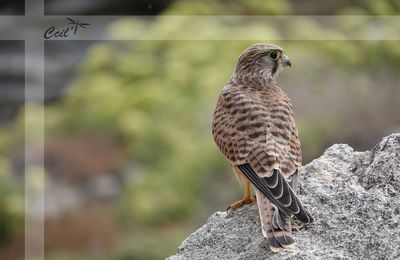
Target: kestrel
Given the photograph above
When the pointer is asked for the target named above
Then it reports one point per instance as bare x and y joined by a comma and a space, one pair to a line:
253, 125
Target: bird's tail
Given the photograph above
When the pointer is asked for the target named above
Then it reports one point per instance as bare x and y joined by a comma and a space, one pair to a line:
275, 226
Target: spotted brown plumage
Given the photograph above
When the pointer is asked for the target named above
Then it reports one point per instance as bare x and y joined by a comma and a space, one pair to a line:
254, 127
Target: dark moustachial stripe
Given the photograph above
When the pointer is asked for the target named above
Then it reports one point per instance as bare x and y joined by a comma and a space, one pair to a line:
275, 67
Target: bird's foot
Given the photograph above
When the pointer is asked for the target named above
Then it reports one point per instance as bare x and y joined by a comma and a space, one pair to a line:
244, 201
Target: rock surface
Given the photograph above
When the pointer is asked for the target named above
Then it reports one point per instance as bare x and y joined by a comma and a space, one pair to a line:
353, 196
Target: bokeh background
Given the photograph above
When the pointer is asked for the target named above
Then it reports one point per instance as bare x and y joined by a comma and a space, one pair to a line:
131, 167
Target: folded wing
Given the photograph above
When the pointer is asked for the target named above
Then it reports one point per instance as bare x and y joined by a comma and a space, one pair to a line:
278, 191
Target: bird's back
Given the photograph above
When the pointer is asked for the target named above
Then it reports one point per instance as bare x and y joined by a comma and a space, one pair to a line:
258, 117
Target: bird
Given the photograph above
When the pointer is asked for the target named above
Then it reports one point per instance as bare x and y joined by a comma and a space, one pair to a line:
253, 126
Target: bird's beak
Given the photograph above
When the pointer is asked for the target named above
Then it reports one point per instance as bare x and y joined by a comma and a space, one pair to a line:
286, 61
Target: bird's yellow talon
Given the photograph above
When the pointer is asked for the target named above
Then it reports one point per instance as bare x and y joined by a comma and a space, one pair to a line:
248, 198
242, 202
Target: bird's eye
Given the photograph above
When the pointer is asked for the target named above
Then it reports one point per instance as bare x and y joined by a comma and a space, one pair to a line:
274, 55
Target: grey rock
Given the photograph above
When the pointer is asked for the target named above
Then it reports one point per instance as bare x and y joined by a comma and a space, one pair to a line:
353, 196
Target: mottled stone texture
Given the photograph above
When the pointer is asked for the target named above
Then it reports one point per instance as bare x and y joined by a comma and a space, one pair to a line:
353, 196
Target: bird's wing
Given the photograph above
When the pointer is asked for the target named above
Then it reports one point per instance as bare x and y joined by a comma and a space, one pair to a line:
274, 152
228, 126
278, 191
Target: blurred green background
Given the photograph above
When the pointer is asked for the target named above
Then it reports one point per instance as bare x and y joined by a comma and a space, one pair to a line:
131, 167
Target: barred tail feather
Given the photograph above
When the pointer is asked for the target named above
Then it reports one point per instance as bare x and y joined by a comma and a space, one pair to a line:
281, 227
277, 238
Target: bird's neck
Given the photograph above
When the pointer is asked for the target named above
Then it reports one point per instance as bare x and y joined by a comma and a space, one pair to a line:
260, 79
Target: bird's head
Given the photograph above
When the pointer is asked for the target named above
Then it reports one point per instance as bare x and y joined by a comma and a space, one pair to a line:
264, 60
